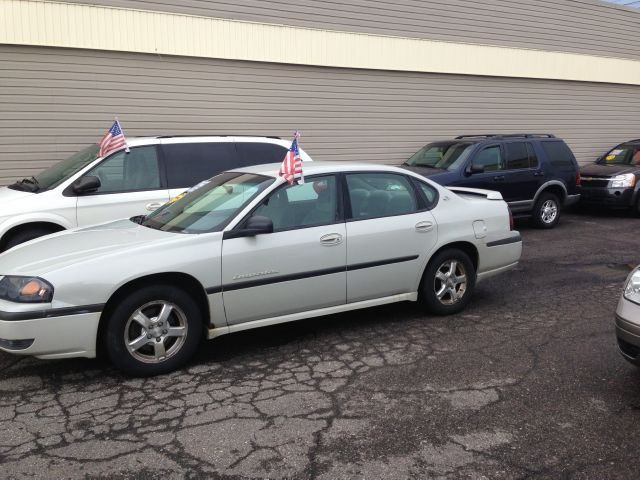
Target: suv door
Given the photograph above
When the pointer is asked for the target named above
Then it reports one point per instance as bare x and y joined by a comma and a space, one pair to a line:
522, 175
390, 234
298, 267
130, 184
188, 163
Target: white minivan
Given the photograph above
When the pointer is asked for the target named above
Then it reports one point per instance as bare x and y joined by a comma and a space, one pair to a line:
84, 189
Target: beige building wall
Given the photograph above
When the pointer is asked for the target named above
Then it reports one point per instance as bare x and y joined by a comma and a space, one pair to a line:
355, 96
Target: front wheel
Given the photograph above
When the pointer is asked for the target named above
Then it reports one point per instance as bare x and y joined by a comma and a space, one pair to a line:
154, 330
448, 282
546, 211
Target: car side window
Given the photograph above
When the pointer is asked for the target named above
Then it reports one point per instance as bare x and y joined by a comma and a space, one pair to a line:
490, 158
253, 153
310, 204
430, 193
559, 154
374, 195
189, 163
517, 156
137, 170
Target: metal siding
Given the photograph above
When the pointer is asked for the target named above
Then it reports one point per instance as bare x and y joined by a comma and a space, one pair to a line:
583, 26
54, 101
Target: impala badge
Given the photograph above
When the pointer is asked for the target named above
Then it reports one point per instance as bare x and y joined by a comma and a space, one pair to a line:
256, 274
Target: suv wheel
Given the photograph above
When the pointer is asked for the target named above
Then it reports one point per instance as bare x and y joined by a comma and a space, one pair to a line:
447, 282
154, 330
546, 211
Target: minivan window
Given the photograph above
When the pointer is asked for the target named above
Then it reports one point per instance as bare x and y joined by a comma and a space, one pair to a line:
445, 155
189, 163
251, 153
559, 154
210, 207
58, 173
135, 171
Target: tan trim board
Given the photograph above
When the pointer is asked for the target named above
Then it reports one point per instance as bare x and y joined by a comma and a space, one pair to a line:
58, 24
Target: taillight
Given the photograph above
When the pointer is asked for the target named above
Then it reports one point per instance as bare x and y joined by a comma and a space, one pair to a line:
511, 225
578, 178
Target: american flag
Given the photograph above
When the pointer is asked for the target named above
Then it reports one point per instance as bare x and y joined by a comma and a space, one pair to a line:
112, 140
292, 164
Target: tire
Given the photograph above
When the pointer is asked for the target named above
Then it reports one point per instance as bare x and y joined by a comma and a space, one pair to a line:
437, 295
546, 211
158, 349
635, 209
26, 235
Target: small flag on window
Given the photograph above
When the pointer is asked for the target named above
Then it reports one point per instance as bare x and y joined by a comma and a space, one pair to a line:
113, 140
292, 164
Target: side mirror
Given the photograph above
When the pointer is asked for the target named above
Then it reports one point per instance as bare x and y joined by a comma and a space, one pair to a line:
255, 226
88, 184
471, 169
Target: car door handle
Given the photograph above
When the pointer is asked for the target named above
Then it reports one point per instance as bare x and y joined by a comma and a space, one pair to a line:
538, 174
153, 206
499, 178
424, 226
331, 239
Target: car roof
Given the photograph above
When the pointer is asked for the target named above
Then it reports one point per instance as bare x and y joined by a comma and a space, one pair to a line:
152, 140
314, 168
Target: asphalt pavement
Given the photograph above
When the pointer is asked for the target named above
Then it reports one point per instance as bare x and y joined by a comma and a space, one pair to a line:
525, 383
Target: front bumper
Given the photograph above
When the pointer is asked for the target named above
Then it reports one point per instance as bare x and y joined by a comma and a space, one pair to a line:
55, 337
628, 330
608, 197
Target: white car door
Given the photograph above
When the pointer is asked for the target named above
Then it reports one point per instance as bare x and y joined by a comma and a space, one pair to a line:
390, 232
130, 185
298, 267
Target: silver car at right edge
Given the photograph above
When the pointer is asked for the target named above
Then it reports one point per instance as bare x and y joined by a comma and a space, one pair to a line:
628, 319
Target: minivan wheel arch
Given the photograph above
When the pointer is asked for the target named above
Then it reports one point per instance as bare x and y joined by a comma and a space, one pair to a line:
49, 227
183, 281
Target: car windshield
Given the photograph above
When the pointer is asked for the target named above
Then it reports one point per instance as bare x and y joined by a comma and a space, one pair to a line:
209, 206
444, 155
623, 155
58, 173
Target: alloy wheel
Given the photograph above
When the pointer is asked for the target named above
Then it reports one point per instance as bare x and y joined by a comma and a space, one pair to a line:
549, 211
450, 282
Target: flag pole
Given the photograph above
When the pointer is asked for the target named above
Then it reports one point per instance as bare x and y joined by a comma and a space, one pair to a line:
126, 144
297, 136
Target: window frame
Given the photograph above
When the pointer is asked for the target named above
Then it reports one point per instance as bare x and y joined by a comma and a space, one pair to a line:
339, 205
161, 174
422, 204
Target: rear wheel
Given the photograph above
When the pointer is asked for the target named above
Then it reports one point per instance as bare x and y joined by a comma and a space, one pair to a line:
448, 282
154, 330
546, 211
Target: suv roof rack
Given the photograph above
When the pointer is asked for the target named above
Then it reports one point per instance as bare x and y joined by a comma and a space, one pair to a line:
509, 135
217, 135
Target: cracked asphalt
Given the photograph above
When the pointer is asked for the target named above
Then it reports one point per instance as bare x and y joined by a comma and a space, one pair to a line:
526, 383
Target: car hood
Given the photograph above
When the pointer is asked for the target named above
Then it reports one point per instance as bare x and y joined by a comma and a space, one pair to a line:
72, 247
599, 170
8, 195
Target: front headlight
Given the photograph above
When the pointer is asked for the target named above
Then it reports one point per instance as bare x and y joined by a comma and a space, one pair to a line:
25, 289
632, 288
623, 181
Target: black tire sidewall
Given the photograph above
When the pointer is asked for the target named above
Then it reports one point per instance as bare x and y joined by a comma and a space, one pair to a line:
427, 293
114, 332
537, 210
25, 235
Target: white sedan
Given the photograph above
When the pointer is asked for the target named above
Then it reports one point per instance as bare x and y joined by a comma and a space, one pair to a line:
247, 250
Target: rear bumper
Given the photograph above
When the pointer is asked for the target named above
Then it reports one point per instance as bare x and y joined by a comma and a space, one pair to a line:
57, 337
609, 197
499, 255
571, 200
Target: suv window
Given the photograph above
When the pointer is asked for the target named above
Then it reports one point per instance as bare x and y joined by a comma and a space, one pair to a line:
137, 170
533, 158
297, 206
517, 156
490, 158
374, 195
250, 153
559, 154
189, 163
